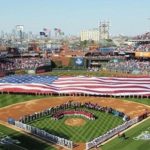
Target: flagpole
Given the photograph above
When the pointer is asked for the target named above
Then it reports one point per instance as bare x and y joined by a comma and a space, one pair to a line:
49, 34
55, 34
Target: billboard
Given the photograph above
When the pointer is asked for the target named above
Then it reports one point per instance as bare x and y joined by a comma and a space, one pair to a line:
142, 54
79, 61
19, 28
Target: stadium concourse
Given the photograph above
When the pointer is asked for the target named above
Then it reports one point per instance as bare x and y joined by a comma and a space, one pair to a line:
79, 85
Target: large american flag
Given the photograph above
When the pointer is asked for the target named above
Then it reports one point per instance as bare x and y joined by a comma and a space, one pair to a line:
79, 84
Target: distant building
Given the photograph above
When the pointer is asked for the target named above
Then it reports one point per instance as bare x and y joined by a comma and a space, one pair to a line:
92, 34
97, 34
104, 30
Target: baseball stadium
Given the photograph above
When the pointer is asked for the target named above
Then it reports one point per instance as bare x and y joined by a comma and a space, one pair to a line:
76, 100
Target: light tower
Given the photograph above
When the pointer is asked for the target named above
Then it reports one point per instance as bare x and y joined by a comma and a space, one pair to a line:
104, 30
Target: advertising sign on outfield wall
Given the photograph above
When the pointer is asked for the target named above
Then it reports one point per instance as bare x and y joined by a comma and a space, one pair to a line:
142, 54
31, 71
79, 61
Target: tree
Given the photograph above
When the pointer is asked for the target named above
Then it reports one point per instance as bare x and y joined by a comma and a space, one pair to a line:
84, 44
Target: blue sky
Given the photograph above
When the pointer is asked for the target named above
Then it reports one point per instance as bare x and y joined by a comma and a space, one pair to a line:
127, 17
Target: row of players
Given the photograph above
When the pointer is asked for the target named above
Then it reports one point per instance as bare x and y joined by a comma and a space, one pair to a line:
72, 105
82, 113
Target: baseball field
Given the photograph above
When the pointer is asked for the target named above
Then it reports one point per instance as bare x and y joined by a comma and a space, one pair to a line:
23, 104
79, 129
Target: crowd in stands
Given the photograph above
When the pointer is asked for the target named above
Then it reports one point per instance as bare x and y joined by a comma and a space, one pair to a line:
125, 48
23, 63
131, 48
143, 48
101, 57
130, 66
145, 36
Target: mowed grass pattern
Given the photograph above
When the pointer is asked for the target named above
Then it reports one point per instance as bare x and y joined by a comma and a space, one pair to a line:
27, 143
145, 101
9, 99
90, 130
130, 143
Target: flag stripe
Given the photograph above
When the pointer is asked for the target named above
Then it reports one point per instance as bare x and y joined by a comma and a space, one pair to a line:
85, 85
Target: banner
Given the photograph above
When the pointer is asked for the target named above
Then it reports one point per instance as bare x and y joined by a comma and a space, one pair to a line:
43, 134
110, 133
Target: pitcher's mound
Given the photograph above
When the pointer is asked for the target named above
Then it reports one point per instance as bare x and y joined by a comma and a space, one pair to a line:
75, 122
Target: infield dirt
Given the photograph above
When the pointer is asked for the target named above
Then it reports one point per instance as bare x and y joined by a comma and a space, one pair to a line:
17, 110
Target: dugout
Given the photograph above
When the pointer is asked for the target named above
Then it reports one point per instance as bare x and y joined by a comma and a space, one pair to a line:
43, 69
96, 62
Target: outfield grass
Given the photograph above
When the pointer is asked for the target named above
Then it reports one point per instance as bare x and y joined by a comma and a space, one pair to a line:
9, 99
27, 143
73, 73
90, 130
130, 143
139, 100
101, 73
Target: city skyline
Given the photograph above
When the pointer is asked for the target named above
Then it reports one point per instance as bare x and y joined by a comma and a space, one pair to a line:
125, 17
